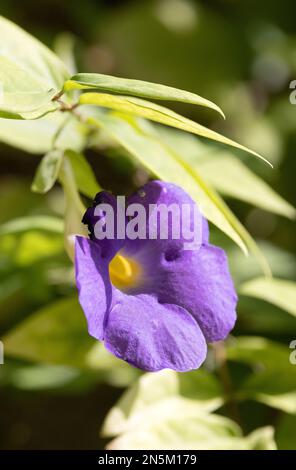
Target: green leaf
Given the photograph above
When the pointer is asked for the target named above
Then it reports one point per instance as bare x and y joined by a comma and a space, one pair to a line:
22, 96
262, 439
167, 388
241, 183
238, 181
57, 334
266, 388
42, 376
282, 263
47, 172
31, 55
153, 414
33, 222
64, 45
33, 136
41, 135
154, 112
84, 175
136, 88
255, 350
203, 386
285, 432
273, 378
276, 291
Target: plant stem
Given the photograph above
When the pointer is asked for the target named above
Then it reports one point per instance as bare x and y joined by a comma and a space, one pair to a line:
223, 371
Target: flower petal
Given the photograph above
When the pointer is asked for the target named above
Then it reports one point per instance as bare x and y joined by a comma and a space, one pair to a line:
154, 336
200, 282
93, 283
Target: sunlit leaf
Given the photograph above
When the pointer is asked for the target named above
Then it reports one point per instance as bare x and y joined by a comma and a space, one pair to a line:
47, 172
154, 112
282, 263
84, 175
276, 291
31, 55
33, 136
262, 439
153, 414
167, 388
136, 88
57, 334
273, 377
267, 354
64, 48
45, 376
32, 222
22, 96
226, 173
241, 183
41, 135
266, 388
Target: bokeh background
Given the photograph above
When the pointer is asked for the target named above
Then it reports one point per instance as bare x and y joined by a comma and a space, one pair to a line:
239, 54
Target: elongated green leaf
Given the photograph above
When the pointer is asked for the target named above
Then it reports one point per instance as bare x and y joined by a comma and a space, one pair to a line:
157, 113
47, 172
42, 376
84, 175
31, 55
33, 222
276, 291
282, 264
228, 175
136, 88
232, 178
21, 95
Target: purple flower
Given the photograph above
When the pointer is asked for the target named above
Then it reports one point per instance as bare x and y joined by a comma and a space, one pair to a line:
152, 302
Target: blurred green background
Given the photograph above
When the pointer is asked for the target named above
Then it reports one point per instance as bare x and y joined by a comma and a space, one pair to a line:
239, 54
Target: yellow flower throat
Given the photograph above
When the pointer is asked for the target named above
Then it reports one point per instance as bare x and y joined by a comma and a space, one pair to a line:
124, 272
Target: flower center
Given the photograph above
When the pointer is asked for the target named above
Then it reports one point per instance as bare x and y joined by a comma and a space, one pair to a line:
124, 272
